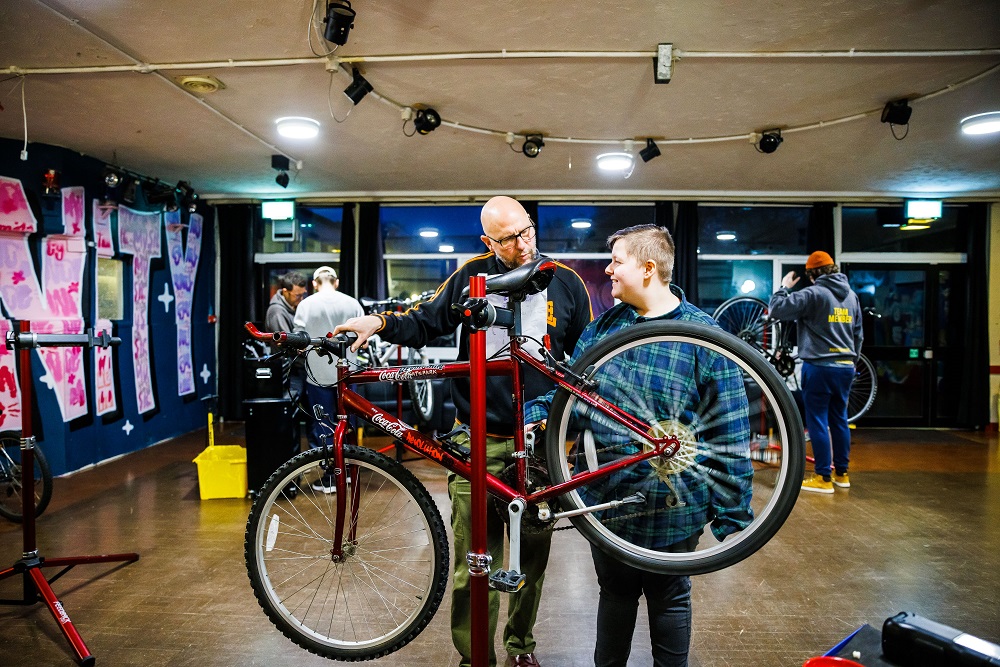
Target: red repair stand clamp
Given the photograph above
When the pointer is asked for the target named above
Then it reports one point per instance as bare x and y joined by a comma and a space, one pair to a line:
479, 558
36, 586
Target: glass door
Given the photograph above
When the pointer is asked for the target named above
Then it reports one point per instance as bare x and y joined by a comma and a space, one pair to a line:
912, 337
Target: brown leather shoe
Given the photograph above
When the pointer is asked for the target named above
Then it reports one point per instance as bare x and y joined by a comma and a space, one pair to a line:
523, 660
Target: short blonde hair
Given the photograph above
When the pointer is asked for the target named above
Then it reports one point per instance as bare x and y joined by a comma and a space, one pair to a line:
648, 242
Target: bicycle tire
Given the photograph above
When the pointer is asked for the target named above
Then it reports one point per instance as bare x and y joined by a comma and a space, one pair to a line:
746, 317
767, 450
863, 389
392, 580
10, 479
421, 391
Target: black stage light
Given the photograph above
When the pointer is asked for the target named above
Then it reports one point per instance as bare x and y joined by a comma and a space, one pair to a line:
188, 196
129, 186
769, 141
358, 88
282, 179
426, 120
280, 162
532, 145
896, 112
339, 21
650, 151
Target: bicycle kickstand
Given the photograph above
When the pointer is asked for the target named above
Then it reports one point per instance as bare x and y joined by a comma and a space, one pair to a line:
512, 580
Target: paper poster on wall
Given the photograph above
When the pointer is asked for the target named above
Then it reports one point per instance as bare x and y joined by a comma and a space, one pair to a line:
183, 270
104, 380
139, 236
59, 309
102, 230
10, 393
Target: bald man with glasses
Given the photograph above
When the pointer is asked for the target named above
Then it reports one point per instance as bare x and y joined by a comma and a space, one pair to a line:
562, 311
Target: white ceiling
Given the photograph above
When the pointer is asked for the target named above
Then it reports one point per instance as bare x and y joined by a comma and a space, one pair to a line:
222, 142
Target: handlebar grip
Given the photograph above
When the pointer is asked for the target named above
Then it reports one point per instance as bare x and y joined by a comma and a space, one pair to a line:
292, 338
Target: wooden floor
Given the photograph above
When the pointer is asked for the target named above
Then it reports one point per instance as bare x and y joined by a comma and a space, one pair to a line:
919, 531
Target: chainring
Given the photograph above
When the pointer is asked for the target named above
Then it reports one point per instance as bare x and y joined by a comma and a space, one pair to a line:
538, 478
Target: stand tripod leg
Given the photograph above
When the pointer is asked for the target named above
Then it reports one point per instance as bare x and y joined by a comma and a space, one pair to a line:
62, 618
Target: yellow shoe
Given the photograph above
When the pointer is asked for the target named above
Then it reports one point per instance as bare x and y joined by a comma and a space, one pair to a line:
843, 481
816, 484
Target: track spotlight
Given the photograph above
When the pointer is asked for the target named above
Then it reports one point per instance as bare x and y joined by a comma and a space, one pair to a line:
769, 141
896, 112
650, 151
129, 186
282, 179
532, 145
426, 120
282, 164
339, 21
161, 194
359, 87
188, 197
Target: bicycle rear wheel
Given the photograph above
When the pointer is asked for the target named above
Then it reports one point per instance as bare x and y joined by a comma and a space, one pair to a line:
746, 317
395, 567
739, 467
863, 389
421, 391
10, 478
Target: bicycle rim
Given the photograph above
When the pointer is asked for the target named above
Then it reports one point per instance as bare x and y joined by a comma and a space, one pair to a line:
421, 391
395, 571
10, 479
863, 389
746, 317
739, 467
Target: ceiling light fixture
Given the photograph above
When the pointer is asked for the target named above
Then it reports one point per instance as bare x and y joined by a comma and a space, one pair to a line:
982, 123
426, 120
650, 151
615, 161
297, 127
429, 233
339, 21
769, 141
725, 236
358, 88
580, 223
445, 247
532, 145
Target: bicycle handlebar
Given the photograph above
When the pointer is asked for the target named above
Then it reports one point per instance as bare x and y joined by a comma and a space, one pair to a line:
299, 340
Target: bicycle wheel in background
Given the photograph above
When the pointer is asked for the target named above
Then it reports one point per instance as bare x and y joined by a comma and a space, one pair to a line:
10, 478
863, 389
746, 318
395, 566
421, 391
738, 470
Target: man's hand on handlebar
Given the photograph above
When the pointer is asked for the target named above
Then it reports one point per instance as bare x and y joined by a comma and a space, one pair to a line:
363, 326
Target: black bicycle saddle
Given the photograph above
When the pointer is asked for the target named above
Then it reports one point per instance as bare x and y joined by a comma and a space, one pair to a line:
525, 280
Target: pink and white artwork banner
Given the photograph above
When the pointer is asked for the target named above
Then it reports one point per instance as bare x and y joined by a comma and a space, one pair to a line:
10, 391
15, 214
183, 270
102, 230
104, 382
139, 236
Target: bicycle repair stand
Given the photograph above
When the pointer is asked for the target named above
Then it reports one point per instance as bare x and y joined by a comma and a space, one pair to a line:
36, 586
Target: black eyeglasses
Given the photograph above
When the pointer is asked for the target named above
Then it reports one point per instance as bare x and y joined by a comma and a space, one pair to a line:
509, 242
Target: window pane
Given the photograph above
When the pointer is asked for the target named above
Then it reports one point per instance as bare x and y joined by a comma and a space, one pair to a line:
759, 230
597, 282
455, 226
897, 297
877, 229
317, 229
556, 233
109, 289
719, 280
409, 277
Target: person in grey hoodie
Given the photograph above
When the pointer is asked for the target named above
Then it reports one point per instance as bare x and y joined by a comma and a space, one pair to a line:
829, 338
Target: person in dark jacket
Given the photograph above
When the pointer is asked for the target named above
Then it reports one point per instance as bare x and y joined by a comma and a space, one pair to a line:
281, 308
829, 337
562, 311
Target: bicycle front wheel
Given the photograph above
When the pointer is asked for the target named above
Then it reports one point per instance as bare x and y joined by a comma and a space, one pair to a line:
732, 482
393, 574
11, 487
863, 389
421, 391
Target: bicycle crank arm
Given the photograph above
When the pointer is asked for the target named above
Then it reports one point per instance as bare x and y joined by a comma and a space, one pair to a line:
634, 499
512, 580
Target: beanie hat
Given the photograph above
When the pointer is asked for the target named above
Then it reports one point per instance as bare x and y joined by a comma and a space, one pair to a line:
326, 269
818, 259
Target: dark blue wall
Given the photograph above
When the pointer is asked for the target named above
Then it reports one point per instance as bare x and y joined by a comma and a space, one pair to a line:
90, 439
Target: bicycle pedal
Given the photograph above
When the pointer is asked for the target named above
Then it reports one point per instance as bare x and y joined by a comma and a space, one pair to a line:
507, 581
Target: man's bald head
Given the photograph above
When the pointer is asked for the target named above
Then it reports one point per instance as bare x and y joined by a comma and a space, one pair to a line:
503, 218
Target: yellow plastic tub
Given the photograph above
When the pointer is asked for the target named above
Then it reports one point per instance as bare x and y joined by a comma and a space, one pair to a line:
222, 472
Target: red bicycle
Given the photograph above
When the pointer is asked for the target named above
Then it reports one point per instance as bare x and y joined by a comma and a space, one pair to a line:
357, 574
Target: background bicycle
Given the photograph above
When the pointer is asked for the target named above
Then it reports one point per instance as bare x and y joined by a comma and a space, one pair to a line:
747, 317
357, 574
10, 478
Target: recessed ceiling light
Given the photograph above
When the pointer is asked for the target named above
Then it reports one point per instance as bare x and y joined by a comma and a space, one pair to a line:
725, 236
444, 247
580, 223
429, 233
614, 161
297, 127
982, 123
748, 286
